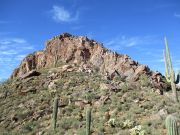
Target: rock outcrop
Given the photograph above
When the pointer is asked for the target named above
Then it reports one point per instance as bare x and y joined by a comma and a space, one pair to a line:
80, 50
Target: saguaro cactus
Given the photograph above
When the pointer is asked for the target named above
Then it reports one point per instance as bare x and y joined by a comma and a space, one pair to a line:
169, 74
171, 125
55, 58
88, 121
55, 111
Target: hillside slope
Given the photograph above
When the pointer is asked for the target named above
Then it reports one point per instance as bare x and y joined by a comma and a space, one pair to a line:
83, 73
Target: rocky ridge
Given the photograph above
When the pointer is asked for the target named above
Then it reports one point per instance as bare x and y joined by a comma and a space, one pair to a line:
82, 51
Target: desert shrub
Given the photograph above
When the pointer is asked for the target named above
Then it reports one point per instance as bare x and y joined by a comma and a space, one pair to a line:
135, 109
147, 105
67, 123
144, 80
22, 114
104, 108
124, 88
81, 131
157, 123
76, 111
118, 79
119, 107
112, 122
93, 84
100, 130
119, 94
125, 107
69, 110
30, 126
128, 124
89, 96
103, 92
137, 130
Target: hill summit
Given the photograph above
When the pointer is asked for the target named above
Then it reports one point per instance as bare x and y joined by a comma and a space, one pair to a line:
81, 51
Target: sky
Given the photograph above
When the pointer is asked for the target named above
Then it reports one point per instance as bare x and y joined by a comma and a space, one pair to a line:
133, 27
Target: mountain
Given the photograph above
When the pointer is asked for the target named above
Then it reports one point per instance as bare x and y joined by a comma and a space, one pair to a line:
82, 73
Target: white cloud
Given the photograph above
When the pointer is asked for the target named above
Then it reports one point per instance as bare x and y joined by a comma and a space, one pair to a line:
145, 49
9, 52
3, 60
10, 46
12, 51
125, 41
19, 40
176, 15
60, 14
152, 61
119, 42
7, 41
20, 57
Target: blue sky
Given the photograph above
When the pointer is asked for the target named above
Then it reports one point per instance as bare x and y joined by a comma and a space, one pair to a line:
133, 27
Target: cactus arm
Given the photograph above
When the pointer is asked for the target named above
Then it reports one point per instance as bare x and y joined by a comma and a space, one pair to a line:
168, 79
168, 55
166, 65
169, 62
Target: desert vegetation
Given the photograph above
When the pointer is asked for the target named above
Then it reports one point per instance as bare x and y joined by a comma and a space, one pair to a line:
79, 99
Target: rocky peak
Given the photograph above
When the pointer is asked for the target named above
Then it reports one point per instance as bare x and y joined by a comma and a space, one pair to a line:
80, 50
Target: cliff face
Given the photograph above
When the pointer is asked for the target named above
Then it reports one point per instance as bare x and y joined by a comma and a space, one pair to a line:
81, 50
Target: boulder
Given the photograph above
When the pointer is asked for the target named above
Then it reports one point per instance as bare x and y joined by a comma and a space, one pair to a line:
30, 74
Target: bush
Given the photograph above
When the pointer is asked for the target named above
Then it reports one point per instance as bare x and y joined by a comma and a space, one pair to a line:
81, 131
144, 80
137, 130
128, 124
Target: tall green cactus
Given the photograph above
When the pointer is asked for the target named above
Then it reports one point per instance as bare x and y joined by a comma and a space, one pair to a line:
88, 121
171, 125
167, 72
170, 76
55, 112
55, 58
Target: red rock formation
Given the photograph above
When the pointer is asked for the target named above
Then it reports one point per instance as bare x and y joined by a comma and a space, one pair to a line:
79, 50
